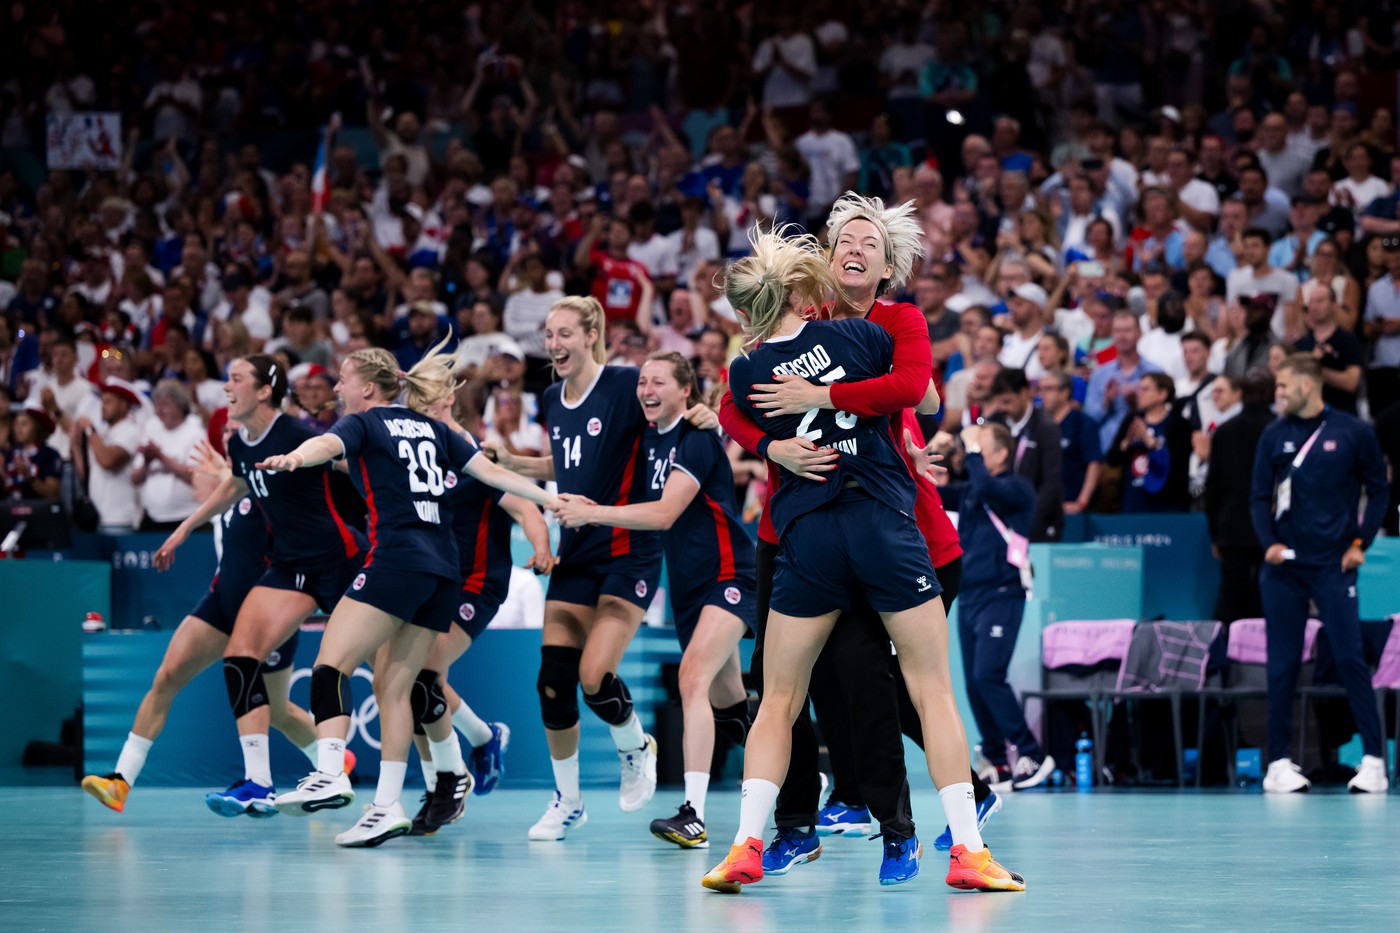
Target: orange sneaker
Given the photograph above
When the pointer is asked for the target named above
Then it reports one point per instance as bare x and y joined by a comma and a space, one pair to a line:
111, 790
743, 865
349, 761
978, 871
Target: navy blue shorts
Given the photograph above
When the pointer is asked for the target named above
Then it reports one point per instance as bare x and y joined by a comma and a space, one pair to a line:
851, 548
219, 609
325, 584
733, 596
630, 577
421, 599
476, 610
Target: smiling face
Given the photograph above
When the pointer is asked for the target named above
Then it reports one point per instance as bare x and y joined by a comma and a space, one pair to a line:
858, 258
569, 346
662, 398
354, 392
242, 390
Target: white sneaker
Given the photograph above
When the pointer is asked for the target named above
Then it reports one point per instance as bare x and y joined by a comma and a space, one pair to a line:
1370, 777
1284, 777
983, 766
317, 791
561, 816
638, 776
1029, 773
379, 824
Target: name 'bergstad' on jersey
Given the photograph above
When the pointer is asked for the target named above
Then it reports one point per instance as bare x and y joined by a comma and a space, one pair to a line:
407, 427
809, 365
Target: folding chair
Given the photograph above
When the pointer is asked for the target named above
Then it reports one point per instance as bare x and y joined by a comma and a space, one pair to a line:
1387, 678
1166, 661
1311, 693
1245, 678
1080, 660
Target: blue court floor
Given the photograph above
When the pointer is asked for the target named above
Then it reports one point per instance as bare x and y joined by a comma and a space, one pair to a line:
1103, 861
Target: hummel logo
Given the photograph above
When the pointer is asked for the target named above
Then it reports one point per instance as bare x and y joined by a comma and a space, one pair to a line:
923, 583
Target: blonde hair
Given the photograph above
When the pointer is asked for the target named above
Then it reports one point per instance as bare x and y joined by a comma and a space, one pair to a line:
590, 317
427, 382
901, 234
781, 267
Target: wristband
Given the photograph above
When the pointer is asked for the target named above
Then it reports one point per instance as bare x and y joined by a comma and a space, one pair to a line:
1357, 542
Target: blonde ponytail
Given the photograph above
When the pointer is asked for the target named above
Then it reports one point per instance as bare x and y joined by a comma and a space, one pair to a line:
428, 381
783, 266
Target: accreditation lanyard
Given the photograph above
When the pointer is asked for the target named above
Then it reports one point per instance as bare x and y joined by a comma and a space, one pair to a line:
1284, 498
1018, 548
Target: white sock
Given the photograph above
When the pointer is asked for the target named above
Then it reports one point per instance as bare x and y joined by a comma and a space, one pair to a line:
330, 756
760, 797
697, 783
133, 757
447, 755
429, 772
473, 728
629, 736
961, 810
566, 777
390, 789
256, 765
310, 751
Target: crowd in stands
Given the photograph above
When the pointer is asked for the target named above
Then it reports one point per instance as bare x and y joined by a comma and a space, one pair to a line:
1132, 212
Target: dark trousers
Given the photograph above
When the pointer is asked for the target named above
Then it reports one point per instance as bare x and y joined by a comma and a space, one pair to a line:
1239, 584
1286, 589
1382, 388
988, 623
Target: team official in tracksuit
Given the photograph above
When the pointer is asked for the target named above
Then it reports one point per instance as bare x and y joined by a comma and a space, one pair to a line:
1309, 471
994, 599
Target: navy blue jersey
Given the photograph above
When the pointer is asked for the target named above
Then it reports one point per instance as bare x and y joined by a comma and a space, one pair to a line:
244, 546
403, 464
707, 544
482, 530
597, 448
824, 352
307, 527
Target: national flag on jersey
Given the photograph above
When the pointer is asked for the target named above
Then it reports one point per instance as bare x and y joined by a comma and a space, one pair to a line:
320, 179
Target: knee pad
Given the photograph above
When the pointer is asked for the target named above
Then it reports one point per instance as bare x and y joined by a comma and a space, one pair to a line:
426, 696
558, 686
612, 703
330, 693
244, 680
733, 722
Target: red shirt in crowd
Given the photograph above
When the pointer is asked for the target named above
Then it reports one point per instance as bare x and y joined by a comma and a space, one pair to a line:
617, 284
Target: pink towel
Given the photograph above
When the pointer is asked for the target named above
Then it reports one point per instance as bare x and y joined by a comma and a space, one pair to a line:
1388, 672
1249, 641
1085, 642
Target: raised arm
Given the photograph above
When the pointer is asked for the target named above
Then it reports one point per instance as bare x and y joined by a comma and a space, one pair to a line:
493, 474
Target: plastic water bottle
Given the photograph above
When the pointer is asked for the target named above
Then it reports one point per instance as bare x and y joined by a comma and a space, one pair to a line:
1084, 763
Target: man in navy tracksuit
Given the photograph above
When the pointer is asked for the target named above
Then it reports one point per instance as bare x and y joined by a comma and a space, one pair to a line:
1309, 471
993, 599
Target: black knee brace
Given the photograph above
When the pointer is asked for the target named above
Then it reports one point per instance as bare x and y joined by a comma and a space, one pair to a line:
330, 693
612, 703
246, 690
558, 686
733, 722
428, 700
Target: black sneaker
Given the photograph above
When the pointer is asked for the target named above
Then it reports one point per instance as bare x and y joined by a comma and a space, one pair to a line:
685, 829
420, 827
445, 804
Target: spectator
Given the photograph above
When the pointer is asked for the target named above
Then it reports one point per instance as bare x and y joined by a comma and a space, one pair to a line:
1197, 200
1291, 253
110, 447
244, 304
1054, 355
207, 391
1226, 402
1251, 349
969, 389
695, 243
1255, 276
1383, 327
1233, 540
510, 429
1327, 271
1081, 459
299, 337
1338, 352
1027, 302
1113, 386
1153, 447
1284, 165
1262, 210
525, 312
60, 391
1193, 390
786, 62
161, 468
1226, 250
833, 159
299, 288
31, 467
420, 333
620, 283
1360, 188
1036, 450
1309, 473
1161, 346
315, 398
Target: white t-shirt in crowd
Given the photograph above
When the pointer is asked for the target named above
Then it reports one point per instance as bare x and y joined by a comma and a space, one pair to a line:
703, 246
831, 156
112, 491
210, 395
1019, 352
164, 496
1242, 282
1164, 351
781, 88
68, 397
1362, 192
525, 313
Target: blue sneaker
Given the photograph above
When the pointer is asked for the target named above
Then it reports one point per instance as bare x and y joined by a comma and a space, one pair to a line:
243, 797
985, 809
790, 847
901, 858
488, 763
836, 819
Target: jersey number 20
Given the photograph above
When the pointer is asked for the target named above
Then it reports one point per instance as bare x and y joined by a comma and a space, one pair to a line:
427, 461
